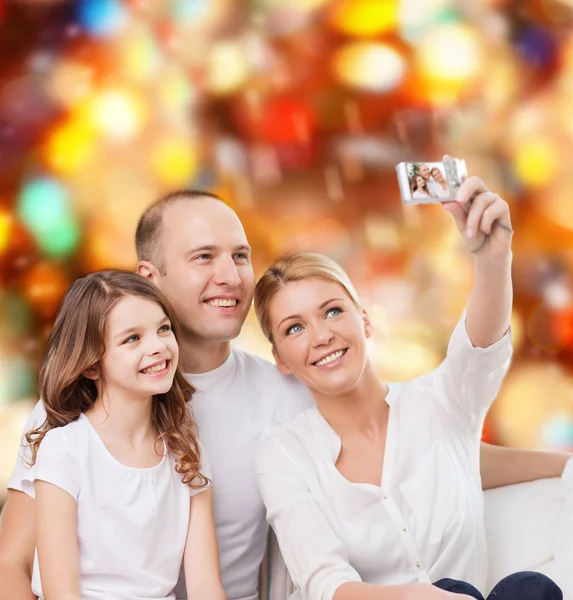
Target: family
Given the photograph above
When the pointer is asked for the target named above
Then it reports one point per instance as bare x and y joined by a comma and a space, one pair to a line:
374, 490
426, 182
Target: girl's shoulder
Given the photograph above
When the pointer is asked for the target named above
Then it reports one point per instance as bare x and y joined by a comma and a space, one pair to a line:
73, 434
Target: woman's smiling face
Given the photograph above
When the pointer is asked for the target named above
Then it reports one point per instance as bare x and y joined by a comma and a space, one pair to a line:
319, 335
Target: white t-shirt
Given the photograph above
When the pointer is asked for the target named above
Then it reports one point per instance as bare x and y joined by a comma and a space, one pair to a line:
436, 189
234, 404
425, 521
132, 522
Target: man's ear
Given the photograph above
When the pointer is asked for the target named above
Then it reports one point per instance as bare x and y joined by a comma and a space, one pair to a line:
283, 368
147, 270
367, 324
92, 373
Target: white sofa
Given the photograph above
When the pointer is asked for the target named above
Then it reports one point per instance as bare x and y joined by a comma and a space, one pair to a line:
529, 527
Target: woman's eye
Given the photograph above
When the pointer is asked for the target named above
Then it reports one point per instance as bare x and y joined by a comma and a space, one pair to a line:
293, 329
333, 312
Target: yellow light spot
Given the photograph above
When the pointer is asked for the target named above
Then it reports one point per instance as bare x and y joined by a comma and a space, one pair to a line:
365, 17
174, 161
118, 114
70, 146
6, 222
535, 162
450, 54
370, 66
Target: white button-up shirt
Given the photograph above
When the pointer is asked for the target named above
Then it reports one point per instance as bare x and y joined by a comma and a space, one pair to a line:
425, 521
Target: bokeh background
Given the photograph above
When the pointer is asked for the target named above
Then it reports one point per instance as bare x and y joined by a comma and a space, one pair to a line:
296, 112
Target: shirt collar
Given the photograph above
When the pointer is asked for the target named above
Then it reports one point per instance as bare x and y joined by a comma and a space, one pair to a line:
203, 382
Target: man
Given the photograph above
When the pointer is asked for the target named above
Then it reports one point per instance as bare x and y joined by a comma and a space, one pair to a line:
433, 187
194, 248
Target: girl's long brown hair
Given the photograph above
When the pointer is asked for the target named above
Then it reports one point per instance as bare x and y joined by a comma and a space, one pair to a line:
76, 344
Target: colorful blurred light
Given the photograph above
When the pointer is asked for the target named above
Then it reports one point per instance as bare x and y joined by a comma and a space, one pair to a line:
416, 16
70, 146
227, 67
17, 376
44, 286
138, 55
6, 222
16, 313
297, 5
174, 161
174, 92
556, 206
189, 10
557, 433
536, 160
107, 247
370, 66
537, 46
118, 114
450, 54
43, 206
69, 82
365, 17
101, 18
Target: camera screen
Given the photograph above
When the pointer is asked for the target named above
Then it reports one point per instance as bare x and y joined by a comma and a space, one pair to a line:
427, 180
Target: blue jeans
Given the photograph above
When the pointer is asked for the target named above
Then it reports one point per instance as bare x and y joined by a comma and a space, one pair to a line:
526, 585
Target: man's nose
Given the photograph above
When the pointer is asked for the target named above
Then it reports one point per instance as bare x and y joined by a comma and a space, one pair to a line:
227, 273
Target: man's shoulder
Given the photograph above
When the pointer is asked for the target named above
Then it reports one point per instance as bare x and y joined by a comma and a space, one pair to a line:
252, 364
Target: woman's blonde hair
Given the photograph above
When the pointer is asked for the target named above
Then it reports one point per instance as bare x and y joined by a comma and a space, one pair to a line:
77, 344
296, 267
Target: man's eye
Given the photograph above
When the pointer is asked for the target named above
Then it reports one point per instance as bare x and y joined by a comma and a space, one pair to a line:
242, 256
204, 256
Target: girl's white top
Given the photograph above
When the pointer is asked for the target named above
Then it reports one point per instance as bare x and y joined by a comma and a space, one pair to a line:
425, 520
132, 522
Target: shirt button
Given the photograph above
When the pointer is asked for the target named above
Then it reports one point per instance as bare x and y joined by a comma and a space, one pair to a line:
418, 565
404, 529
384, 497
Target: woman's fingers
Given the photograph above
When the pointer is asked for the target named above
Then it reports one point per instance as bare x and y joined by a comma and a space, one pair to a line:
498, 211
479, 205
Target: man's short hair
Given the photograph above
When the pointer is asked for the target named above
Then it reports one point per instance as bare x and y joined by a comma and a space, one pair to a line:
150, 224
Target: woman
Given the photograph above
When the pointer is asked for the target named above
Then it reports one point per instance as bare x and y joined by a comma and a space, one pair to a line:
419, 187
440, 188
375, 493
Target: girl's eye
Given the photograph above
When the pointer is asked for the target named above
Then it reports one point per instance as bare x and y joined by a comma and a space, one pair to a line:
164, 328
293, 329
333, 312
132, 338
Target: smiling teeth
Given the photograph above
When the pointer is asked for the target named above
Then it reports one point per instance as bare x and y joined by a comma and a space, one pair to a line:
222, 302
160, 367
329, 358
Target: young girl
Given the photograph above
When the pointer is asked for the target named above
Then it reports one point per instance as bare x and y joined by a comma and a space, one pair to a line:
375, 493
121, 485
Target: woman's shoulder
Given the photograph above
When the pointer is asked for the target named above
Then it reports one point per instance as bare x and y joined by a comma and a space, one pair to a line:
293, 442
295, 428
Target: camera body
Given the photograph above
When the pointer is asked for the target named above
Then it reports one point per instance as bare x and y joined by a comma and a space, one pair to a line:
430, 182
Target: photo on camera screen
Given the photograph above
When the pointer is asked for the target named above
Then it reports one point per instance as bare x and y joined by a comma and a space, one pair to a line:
427, 181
